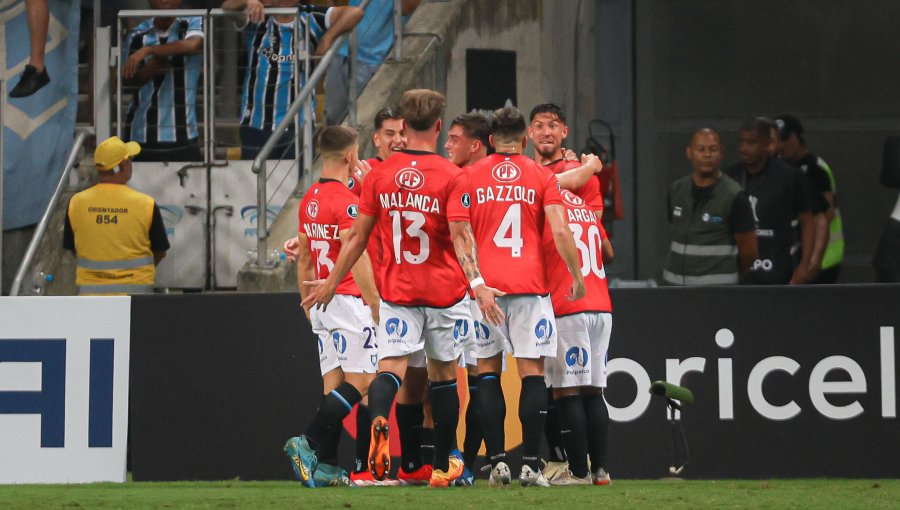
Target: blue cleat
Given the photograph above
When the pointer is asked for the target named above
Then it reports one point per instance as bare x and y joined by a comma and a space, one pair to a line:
327, 475
467, 478
303, 460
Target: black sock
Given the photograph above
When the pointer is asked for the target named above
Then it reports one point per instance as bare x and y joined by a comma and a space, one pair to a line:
332, 410
574, 433
409, 425
327, 451
426, 443
363, 437
445, 409
597, 418
381, 394
532, 415
551, 430
472, 442
492, 411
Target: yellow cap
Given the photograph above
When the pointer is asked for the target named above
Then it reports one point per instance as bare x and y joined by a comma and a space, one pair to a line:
113, 151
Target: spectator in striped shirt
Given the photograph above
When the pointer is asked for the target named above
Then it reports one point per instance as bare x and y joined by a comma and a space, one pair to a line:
163, 62
269, 81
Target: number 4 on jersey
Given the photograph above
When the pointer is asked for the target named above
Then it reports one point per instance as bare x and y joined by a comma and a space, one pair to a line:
509, 233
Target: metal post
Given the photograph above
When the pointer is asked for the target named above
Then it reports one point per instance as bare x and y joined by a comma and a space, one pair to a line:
308, 114
300, 51
2, 105
101, 82
262, 229
118, 49
207, 153
398, 31
352, 93
97, 14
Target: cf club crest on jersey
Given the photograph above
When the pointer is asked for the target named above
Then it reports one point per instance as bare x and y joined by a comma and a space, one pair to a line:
312, 209
506, 171
571, 198
410, 179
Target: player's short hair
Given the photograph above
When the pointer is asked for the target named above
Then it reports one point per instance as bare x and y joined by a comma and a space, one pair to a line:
548, 108
388, 112
475, 125
762, 126
421, 108
333, 140
508, 125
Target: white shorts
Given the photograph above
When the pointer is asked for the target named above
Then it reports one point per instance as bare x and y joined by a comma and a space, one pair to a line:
529, 330
581, 351
467, 358
439, 332
346, 334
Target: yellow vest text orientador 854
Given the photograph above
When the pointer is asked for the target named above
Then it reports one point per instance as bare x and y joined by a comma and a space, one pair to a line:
111, 223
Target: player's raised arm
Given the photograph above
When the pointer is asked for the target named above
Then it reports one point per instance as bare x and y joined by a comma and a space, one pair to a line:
565, 245
352, 247
577, 177
364, 277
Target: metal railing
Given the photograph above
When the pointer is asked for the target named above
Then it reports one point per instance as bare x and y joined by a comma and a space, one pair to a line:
80, 136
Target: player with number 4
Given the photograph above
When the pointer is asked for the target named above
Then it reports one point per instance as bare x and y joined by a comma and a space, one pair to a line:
429, 260
510, 197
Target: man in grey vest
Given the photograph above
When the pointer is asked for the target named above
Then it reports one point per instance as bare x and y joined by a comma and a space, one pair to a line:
710, 221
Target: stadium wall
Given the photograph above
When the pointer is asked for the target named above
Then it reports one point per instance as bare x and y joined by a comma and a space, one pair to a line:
788, 382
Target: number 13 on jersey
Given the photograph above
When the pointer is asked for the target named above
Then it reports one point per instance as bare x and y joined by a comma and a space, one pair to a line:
414, 231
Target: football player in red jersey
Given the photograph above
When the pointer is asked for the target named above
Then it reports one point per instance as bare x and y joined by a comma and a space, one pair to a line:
419, 197
547, 129
346, 331
510, 197
577, 374
468, 139
389, 137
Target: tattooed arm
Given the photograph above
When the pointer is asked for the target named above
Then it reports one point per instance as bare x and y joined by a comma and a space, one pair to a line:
467, 254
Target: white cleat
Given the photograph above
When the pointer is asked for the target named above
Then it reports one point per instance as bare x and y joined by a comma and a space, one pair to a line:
567, 478
554, 469
530, 477
601, 477
500, 475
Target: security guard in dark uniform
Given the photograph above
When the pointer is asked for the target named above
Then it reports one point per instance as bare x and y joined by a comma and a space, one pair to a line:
710, 221
780, 203
117, 233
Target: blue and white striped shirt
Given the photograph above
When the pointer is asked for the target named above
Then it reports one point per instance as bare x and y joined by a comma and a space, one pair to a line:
165, 107
269, 81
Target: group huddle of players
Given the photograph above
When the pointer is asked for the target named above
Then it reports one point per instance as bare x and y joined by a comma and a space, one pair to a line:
411, 263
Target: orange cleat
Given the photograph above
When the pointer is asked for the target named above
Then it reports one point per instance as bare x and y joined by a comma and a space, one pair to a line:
420, 476
379, 449
444, 478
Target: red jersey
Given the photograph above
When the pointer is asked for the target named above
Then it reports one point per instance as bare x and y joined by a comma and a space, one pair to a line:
588, 233
327, 208
508, 195
590, 192
413, 196
373, 248
354, 184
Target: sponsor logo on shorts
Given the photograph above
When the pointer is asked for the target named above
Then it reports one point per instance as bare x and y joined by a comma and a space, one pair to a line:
461, 329
340, 342
506, 171
312, 209
482, 331
410, 178
374, 359
321, 346
577, 356
396, 329
543, 331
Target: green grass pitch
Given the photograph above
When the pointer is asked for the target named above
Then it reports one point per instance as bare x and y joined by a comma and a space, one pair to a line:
631, 494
